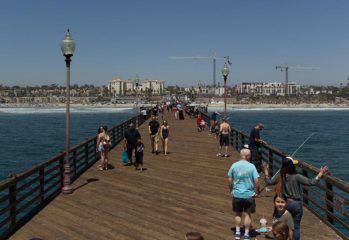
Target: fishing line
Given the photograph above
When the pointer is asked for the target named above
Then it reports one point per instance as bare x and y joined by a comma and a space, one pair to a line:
295, 161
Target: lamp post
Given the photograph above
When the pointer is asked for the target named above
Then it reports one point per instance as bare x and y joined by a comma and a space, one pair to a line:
67, 47
137, 84
225, 73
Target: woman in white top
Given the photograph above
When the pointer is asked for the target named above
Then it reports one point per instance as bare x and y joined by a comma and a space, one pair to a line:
103, 146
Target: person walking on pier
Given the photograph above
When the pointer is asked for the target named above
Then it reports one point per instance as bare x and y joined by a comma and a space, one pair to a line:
255, 143
290, 184
214, 118
244, 186
153, 128
164, 133
131, 135
139, 154
224, 131
102, 147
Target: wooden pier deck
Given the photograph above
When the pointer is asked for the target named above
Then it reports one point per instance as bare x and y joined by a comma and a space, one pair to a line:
184, 191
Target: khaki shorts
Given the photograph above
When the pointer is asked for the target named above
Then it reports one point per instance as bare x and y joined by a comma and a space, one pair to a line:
155, 137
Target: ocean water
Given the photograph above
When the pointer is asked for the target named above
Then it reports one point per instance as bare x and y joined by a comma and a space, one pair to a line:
32, 135
287, 129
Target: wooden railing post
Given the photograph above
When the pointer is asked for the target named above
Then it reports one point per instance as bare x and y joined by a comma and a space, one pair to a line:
114, 139
329, 200
305, 192
95, 152
271, 161
86, 155
237, 140
74, 163
12, 202
61, 169
242, 140
42, 184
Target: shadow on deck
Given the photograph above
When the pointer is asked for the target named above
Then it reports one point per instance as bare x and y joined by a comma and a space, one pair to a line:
184, 191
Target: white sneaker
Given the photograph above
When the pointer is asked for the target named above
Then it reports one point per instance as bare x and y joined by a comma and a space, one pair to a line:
218, 154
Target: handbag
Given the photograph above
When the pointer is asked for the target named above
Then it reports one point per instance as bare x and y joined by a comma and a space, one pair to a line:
124, 157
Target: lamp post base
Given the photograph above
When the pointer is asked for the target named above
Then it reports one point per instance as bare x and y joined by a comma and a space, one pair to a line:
67, 190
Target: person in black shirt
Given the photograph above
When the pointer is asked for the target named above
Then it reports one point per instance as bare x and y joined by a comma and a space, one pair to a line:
131, 135
154, 134
255, 142
155, 111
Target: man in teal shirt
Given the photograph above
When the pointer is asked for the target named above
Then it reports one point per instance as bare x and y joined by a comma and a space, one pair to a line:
244, 186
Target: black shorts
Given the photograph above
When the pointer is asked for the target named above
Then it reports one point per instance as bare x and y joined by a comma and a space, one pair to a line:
224, 140
139, 158
247, 205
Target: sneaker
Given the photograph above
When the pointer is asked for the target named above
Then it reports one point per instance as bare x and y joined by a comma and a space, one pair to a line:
237, 236
247, 237
218, 154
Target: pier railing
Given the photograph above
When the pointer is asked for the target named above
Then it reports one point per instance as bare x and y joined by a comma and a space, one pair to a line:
328, 200
23, 195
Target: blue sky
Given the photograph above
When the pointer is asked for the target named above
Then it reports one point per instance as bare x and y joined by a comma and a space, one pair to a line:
124, 38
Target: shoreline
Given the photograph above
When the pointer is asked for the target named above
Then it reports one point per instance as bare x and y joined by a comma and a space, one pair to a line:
215, 105
278, 106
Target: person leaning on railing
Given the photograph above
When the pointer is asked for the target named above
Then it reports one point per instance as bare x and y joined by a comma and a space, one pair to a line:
289, 182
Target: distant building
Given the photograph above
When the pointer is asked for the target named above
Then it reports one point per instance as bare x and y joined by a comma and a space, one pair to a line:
267, 89
120, 87
156, 86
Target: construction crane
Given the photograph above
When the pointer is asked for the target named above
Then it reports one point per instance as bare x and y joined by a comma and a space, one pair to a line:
214, 58
286, 67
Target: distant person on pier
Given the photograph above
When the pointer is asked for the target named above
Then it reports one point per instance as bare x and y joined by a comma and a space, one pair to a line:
214, 118
164, 133
161, 111
131, 135
202, 125
180, 111
139, 154
153, 129
224, 131
103, 146
244, 186
255, 143
289, 182
144, 113
155, 111
175, 111
198, 121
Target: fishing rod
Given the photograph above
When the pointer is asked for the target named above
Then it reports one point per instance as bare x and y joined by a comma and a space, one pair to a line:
294, 161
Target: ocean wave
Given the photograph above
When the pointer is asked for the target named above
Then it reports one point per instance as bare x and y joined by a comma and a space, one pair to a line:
61, 110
